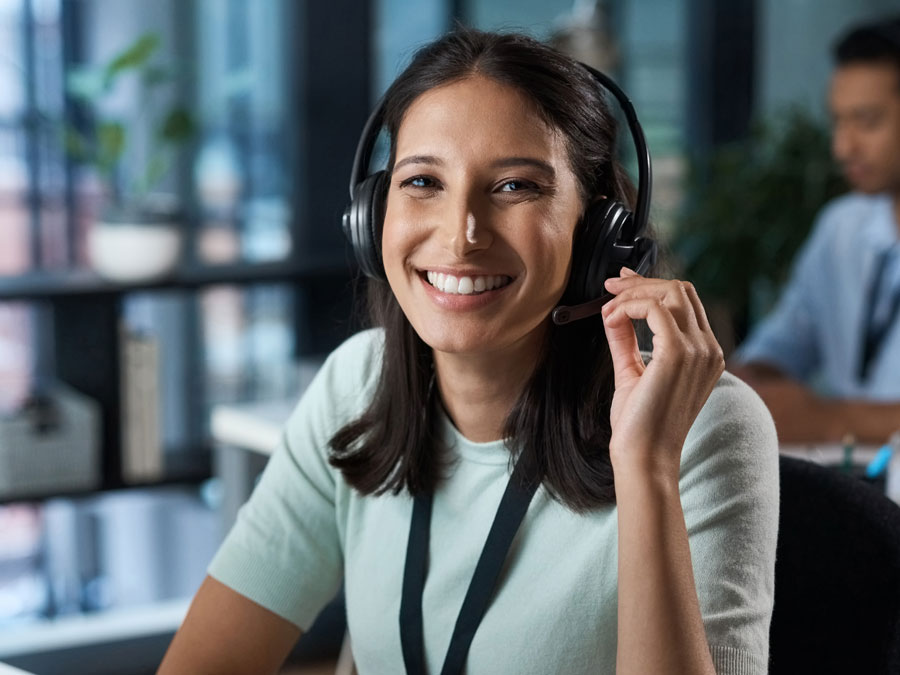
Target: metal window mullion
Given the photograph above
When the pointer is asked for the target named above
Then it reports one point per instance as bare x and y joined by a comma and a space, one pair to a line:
70, 27
32, 126
184, 29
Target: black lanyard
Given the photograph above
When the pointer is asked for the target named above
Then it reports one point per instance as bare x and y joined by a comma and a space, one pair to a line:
873, 336
506, 523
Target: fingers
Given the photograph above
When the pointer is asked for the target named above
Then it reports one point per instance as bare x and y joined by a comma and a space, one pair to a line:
699, 310
672, 309
678, 297
652, 309
624, 350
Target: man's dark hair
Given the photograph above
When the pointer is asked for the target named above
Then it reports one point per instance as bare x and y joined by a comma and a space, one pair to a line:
560, 423
870, 43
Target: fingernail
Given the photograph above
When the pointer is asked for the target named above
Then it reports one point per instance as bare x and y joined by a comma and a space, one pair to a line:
627, 272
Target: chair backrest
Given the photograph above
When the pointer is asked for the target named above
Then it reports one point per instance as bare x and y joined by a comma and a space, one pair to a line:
837, 575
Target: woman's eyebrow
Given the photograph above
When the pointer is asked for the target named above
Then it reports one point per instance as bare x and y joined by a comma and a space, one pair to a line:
539, 164
419, 159
504, 163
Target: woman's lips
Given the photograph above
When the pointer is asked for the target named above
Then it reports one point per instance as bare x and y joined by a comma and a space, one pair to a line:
471, 298
466, 284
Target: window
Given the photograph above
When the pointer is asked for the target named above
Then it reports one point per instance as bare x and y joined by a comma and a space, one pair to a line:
219, 343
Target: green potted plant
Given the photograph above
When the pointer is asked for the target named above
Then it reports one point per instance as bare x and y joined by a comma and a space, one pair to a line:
749, 207
138, 236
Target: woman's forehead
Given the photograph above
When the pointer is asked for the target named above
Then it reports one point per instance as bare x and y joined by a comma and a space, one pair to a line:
480, 115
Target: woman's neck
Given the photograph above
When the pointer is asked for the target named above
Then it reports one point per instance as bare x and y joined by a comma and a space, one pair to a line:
479, 390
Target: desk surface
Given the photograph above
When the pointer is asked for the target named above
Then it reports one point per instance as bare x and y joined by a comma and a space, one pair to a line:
89, 629
829, 453
9, 670
251, 426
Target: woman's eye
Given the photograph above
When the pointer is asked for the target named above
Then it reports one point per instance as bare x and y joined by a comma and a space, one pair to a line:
419, 182
516, 186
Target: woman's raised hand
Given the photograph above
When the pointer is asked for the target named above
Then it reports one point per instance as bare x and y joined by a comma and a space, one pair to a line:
655, 405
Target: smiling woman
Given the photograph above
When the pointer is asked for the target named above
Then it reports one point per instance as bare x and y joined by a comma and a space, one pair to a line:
490, 194
634, 499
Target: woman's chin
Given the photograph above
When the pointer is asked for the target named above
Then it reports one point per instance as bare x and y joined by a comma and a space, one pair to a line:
477, 340
457, 344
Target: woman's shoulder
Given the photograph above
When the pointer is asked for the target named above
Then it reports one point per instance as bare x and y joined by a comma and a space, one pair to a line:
356, 362
344, 384
359, 354
733, 434
734, 426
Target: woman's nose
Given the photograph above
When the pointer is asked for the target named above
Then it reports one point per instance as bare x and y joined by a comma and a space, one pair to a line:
466, 228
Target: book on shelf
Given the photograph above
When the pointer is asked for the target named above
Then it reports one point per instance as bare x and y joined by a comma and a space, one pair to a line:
142, 452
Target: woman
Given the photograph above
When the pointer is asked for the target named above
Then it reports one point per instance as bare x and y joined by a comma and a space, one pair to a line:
648, 546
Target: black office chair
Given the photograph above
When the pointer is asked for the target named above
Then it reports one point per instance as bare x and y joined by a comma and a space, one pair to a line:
837, 575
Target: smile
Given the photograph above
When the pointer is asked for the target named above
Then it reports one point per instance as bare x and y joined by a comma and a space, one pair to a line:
466, 285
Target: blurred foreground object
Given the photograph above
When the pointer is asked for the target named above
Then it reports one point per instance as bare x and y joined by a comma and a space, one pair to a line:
837, 575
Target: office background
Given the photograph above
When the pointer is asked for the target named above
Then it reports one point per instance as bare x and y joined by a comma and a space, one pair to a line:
277, 91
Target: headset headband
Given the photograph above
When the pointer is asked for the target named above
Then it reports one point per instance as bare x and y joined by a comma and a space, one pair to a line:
641, 212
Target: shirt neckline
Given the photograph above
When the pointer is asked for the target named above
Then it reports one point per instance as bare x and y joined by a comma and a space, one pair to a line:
489, 452
882, 231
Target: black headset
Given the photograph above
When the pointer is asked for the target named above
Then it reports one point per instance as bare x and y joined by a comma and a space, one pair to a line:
608, 238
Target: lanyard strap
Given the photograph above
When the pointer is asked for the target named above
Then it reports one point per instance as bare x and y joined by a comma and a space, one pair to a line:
874, 336
506, 523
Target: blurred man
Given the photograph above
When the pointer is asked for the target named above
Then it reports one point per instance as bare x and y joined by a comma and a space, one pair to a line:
827, 360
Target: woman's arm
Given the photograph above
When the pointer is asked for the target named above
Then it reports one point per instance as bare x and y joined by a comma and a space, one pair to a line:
660, 628
228, 634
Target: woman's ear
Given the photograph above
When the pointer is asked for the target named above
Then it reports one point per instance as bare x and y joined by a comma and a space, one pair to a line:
592, 203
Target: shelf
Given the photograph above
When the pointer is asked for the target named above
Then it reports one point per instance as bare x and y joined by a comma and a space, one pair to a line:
105, 627
195, 479
182, 468
83, 282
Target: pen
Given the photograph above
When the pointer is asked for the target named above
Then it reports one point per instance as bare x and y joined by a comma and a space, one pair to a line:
847, 466
877, 466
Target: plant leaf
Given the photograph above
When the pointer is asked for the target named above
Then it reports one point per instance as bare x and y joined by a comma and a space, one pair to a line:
87, 84
749, 207
152, 76
157, 167
177, 126
133, 56
75, 144
111, 144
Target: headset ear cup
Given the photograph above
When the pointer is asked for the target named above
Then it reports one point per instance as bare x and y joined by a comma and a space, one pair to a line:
363, 220
608, 263
592, 250
377, 205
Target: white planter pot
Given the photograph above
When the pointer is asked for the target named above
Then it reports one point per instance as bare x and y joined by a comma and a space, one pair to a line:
127, 252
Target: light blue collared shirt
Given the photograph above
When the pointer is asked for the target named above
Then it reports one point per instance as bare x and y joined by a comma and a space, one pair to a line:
816, 330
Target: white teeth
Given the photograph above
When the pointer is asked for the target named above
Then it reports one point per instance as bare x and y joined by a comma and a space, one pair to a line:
447, 283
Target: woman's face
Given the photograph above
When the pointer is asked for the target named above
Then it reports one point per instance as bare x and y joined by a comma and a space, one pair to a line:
480, 216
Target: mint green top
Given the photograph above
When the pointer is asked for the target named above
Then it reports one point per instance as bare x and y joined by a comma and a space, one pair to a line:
304, 530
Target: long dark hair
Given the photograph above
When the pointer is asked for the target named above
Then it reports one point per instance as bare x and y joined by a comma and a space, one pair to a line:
560, 423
